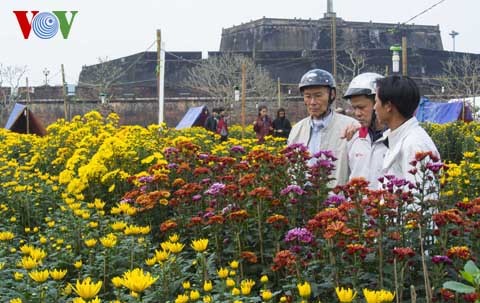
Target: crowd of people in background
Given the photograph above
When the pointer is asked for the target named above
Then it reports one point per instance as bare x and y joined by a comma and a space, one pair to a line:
382, 139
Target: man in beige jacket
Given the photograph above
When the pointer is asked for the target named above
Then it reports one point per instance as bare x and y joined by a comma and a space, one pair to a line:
323, 129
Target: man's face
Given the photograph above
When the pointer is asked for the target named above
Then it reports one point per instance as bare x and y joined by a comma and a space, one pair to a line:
363, 109
316, 100
382, 111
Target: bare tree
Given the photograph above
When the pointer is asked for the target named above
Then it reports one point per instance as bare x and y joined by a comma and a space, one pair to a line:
356, 62
11, 76
460, 77
102, 77
217, 76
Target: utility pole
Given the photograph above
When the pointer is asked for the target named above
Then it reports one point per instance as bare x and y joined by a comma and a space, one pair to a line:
64, 87
454, 34
334, 45
404, 54
333, 16
279, 93
244, 88
27, 109
160, 75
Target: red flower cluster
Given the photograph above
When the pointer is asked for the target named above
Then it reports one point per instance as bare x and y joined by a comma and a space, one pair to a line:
249, 256
403, 252
461, 252
277, 221
448, 216
168, 225
284, 259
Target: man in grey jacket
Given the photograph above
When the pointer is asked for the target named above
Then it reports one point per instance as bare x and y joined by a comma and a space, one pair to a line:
323, 129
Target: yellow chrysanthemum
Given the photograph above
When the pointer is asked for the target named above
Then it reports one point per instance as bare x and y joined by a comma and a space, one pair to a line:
6, 236
267, 295
39, 276
117, 282
194, 295
234, 264
17, 276
90, 242
28, 263
304, 289
207, 286
58, 274
161, 255
385, 296
199, 245
117, 226
370, 296
136, 280
345, 295
222, 273
246, 286
87, 289
109, 241
182, 299
174, 238
151, 261
78, 264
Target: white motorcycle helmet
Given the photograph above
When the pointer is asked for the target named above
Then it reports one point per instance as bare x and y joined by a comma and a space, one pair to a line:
363, 84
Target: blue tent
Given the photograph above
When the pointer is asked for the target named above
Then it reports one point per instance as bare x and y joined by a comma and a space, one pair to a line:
195, 116
17, 121
440, 112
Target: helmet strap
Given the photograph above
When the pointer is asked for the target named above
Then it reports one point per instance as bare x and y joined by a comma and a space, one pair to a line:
330, 97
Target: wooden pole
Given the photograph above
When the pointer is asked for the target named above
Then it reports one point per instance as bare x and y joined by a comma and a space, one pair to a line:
64, 92
27, 109
404, 55
244, 88
279, 93
334, 46
160, 75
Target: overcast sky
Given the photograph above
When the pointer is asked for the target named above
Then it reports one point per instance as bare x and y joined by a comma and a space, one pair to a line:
117, 28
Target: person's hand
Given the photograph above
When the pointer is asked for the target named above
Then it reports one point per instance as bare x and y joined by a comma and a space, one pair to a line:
349, 131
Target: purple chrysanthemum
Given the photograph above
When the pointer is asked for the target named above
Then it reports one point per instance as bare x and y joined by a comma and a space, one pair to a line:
300, 234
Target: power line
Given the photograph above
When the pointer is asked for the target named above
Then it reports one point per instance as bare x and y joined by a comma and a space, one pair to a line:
121, 72
423, 12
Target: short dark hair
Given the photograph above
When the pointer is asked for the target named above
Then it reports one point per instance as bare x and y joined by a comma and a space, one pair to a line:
401, 91
261, 107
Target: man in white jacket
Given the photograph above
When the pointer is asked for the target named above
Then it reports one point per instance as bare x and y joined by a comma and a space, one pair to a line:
395, 103
323, 128
365, 154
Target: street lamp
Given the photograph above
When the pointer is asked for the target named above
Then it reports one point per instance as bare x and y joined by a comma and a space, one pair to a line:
46, 72
453, 34
396, 58
236, 91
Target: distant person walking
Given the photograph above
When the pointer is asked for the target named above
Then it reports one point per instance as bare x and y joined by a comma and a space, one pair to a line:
281, 125
212, 121
263, 125
222, 125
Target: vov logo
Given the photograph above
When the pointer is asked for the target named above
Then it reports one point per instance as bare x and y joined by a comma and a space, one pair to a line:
45, 24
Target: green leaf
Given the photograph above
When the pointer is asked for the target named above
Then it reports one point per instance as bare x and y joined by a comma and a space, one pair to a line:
471, 268
467, 276
458, 287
